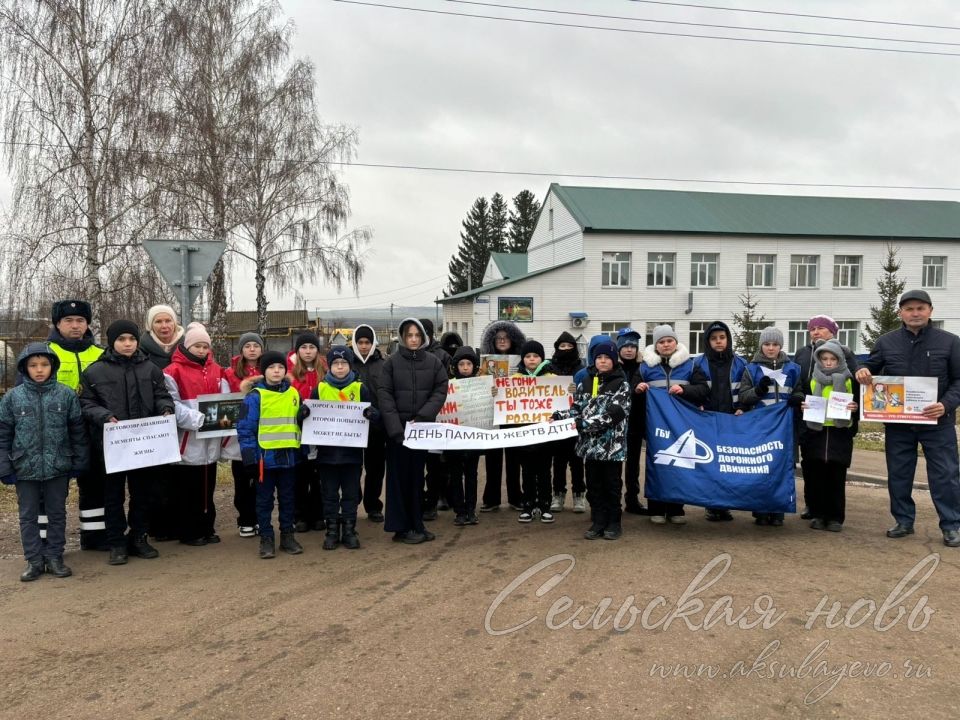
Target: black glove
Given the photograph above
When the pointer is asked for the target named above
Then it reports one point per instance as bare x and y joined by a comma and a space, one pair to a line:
795, 401
369, 413
557, 415
10, 479
763, 387
303, 413
249, 457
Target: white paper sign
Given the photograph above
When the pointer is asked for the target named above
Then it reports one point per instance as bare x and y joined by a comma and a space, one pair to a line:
132, 444
816, 410
778, 376
469, 402
837, 405
524, 399
336, 423
440, 436
898, 399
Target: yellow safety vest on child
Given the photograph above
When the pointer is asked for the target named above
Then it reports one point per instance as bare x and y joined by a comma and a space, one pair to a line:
278, 419
329, 393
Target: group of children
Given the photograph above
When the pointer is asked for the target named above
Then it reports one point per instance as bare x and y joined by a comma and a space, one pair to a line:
49, 433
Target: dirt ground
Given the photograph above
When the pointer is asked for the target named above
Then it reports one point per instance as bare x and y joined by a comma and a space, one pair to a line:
477, 624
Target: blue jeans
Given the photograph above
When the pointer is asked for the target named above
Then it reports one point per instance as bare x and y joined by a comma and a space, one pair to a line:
283, 480
341, 490
54, 495
939, 443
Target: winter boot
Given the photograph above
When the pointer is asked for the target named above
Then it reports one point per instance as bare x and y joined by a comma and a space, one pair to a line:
332, 538
289, 544
596, 526
56, 567
139, 547
350, 539
118, 556
33, 571
267, 547
556, 504
613, 529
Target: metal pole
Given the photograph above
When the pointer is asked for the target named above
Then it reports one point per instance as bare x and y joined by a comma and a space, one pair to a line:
185, 309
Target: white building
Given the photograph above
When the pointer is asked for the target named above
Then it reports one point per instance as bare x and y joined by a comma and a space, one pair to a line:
605, 258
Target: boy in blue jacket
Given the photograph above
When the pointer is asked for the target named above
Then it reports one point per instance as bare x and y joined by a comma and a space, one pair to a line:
269, 435
340, 467
42, 445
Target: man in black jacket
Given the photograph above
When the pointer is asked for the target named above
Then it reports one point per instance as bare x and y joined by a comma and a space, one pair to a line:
919, 349
821, 328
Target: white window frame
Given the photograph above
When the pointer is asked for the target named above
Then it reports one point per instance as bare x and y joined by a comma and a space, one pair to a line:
695, 336
934, 272
847, 330
704, 269
765, 268
612, 263
611, 327
797, 336
648, 330
806, 264
661, 264
847, 271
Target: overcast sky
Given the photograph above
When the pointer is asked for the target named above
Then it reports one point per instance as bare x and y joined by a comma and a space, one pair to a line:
457, 92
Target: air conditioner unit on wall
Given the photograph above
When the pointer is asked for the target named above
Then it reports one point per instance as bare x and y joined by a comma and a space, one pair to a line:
579, 319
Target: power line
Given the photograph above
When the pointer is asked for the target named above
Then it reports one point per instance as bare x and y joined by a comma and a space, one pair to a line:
698, 24
545, 174
635, 31
796, 14
382, 292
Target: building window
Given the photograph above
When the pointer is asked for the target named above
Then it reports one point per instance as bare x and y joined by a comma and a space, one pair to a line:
550, 219
648, 334
796, 336
848, 333
803, 271
611, 328
937, 324
660, 269
934, 271
761, 270
703, 269
615, 269
696, 344
846, 271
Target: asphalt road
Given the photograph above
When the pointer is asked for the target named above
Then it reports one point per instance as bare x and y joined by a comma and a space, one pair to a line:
427, 631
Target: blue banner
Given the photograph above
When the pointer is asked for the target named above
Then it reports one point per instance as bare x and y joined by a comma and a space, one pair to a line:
740, 462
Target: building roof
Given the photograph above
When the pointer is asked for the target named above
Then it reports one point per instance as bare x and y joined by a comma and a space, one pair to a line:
240, 321
510, 264
500, 283
601, 209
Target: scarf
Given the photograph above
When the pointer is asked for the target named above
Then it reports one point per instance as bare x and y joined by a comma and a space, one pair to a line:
329, 379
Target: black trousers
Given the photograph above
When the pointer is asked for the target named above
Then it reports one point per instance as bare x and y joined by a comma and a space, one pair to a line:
462, 466
196, 513
436, 481
535, 476
244, 493
404, 488
826, 489
162, 512
564, 453
116, 485
494, 462
374, 465
631, 472
93, 525
308, 493
341, 490
603, 490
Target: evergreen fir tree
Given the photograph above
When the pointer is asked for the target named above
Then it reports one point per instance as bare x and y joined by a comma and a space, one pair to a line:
523, 217
466, 268
498, 223
747, 326
886, 317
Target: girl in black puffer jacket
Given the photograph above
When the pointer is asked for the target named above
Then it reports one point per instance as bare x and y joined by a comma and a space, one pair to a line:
413, 388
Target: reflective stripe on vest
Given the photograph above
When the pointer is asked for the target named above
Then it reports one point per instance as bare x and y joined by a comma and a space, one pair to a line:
278, 419
72, 364
329, 393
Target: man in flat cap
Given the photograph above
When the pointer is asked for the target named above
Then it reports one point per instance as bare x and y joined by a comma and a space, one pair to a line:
919, 349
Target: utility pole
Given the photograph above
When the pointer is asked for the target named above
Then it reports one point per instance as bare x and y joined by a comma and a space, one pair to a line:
391, 317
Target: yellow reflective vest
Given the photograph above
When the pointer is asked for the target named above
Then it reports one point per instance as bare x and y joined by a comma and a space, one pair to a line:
329, 393
74, 363
278, 419
826, 391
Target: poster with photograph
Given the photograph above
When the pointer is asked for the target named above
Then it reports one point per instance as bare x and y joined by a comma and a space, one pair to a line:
499, 365
898, 399
220, 414
515, 309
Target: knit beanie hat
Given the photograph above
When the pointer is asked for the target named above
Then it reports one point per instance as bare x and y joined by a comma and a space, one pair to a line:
65, 308
628, 336
195, 333
160, 310
824, 321
771, 335
363, 332
306, 338
531, 346
339, 352
606, 348
120, 327
663, 331
272, 357
250, 337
